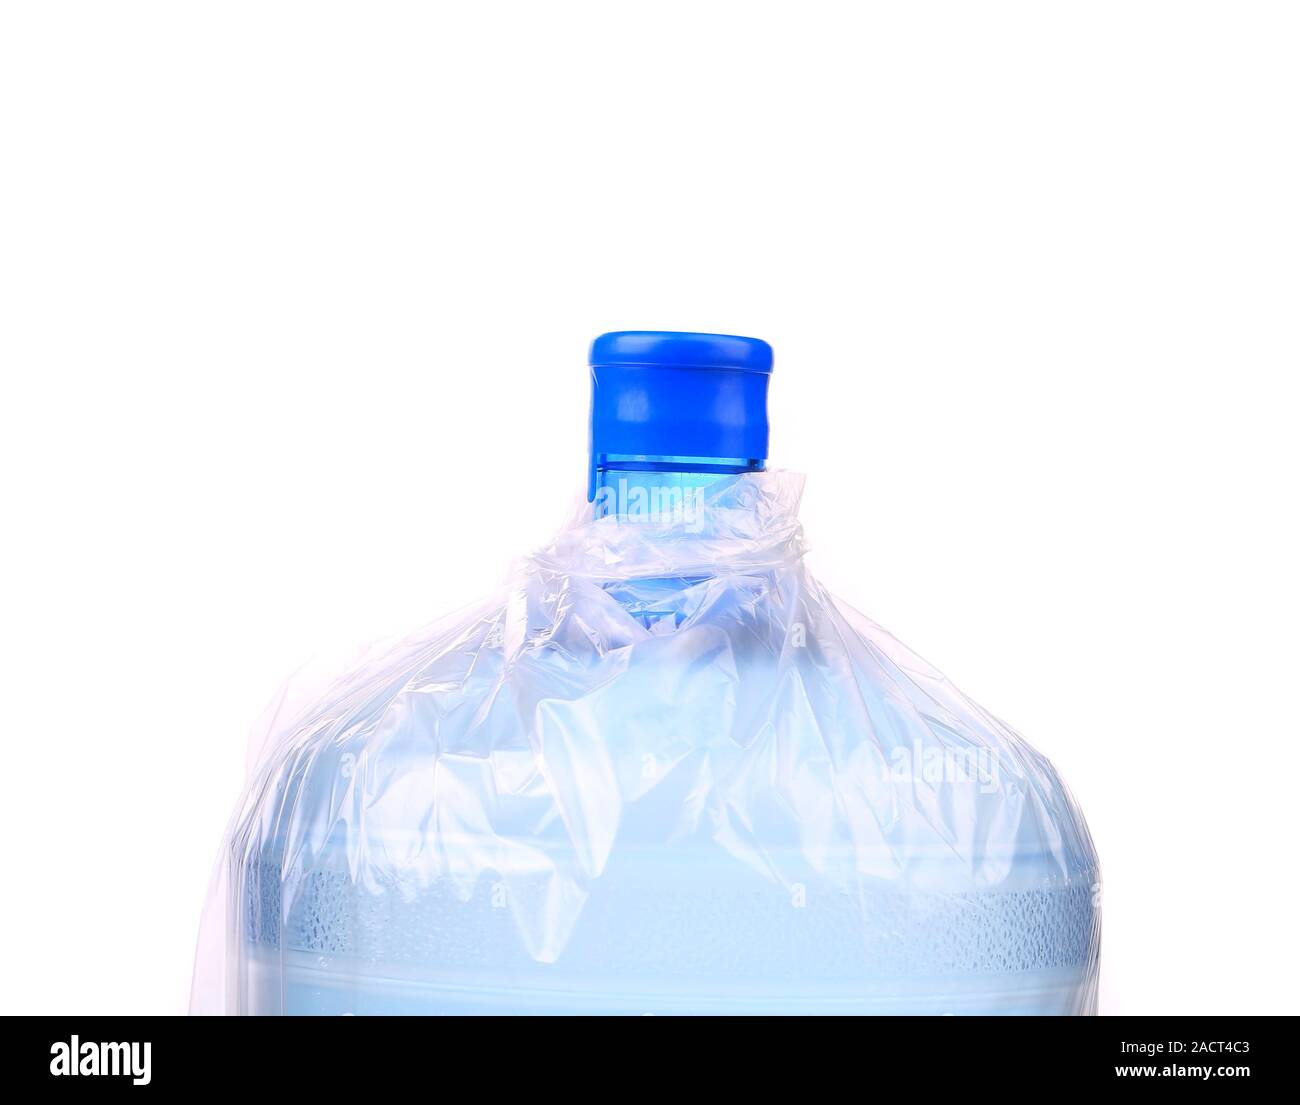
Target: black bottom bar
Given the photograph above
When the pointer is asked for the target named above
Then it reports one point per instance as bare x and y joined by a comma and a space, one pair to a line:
586, 1057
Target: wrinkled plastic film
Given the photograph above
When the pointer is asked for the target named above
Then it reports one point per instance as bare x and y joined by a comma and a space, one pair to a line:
664, 770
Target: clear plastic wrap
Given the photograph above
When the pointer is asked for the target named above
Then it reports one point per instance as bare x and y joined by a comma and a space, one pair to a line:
663, 771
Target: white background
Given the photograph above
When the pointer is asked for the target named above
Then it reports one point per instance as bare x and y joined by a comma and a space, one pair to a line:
294, 308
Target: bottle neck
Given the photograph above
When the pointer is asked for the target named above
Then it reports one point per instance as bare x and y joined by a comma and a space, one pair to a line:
660, 489
666, 490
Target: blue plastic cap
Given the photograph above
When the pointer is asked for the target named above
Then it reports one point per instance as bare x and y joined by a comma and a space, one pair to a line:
695, 398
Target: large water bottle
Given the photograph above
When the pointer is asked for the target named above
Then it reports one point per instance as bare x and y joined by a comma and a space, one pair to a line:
665, 771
